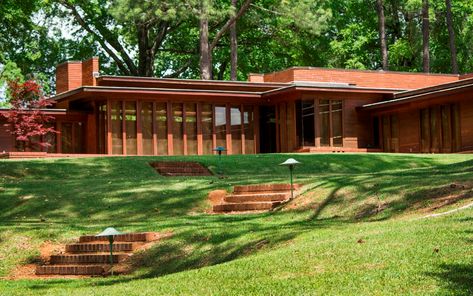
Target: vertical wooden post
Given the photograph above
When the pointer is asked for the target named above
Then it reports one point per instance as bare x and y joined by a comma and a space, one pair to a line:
58, 137
242, 124
330, 133
139, 131
214, 135
155, 134
277, 114
228, 128
184, 128
256, 127
123, 113
316, 123
170, 133
109, 128
199, 129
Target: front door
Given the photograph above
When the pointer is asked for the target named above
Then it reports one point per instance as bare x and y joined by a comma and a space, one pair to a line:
268, 129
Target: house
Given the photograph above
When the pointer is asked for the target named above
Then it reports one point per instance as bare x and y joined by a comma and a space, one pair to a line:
301, 109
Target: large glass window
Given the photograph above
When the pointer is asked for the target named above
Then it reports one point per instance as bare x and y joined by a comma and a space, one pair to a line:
66, 137
331, 122
162, 128
306, 122
147, 127
177, 129
235, 120
207, 128
221, 125
116, 120
248, 126
130, 122
337, 123
102, 127
191, 128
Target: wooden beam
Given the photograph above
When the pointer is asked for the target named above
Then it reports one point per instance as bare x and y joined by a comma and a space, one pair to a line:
169, 118
242, 124
109, 127
228, 128
123, 128
199, 129
139, 129
256, 127
184, 128
277, 115
214, 135
155, 134
58, 137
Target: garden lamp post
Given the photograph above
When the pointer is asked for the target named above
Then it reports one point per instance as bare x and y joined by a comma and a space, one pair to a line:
219, 150
291, 163
109, 232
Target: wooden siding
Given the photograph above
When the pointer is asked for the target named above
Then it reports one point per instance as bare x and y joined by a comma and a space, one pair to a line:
409, 131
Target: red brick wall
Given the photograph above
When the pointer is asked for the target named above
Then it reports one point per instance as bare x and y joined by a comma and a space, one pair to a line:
378, 79
74, 74
89, 67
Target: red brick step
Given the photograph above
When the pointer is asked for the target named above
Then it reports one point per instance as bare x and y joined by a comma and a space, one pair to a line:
86, 258
249, 206
256, 197
70, 270
99, 247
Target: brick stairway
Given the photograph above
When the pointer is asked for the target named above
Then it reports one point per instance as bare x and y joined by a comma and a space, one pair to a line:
248, 198
90, 256
180, 168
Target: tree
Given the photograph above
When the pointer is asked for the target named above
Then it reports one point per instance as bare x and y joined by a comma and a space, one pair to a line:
29, 124
382, 34
425, 36
233, 47
206, 48
126, 29
451, 35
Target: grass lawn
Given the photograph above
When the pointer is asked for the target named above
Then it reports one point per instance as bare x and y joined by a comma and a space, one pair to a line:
356, 230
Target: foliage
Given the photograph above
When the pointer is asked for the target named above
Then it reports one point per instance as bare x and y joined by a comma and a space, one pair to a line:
29, 123
161, 38
327, 242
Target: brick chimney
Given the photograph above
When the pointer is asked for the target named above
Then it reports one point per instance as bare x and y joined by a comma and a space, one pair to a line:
74, 74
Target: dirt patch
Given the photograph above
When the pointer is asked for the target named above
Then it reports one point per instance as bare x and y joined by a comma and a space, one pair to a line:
27, 271
445, 196
216, 197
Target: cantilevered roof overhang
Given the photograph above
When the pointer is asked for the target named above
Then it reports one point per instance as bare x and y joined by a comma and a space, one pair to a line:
406, 98
149, 88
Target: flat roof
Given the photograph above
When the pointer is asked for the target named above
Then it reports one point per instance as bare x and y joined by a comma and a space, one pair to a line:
422, 93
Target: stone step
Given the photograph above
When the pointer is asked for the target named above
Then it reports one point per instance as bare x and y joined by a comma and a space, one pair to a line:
100, 247
126, 237
257, 197
240, 189
243, 207
70, 270
87, 258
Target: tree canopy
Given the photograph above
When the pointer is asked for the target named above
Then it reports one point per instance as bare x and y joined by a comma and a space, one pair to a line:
170, 38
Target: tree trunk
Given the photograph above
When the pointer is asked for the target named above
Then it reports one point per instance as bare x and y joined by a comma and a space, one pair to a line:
451, 36
145, 57
205, 53
425, 36
233, 48
382, 34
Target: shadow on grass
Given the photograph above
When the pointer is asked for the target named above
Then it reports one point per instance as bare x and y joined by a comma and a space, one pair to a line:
457, 279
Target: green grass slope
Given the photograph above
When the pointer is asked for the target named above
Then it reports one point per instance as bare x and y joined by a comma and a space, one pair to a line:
355, 231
